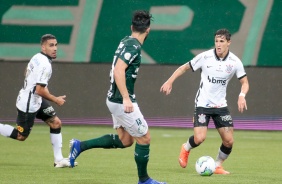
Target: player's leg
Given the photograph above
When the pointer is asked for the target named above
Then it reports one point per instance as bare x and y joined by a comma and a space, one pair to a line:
121, 140
135, 124
200, 120
107, 141
224, 125
47, 114
25, 122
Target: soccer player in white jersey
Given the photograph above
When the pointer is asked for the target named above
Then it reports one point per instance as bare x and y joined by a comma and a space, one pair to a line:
217, 67
32, 101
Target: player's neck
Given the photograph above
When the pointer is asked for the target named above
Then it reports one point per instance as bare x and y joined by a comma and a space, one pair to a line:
223, 55
139, 37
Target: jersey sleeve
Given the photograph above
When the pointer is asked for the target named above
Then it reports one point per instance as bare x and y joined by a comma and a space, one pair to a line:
44, 73
196, 62
240, 72
129, 53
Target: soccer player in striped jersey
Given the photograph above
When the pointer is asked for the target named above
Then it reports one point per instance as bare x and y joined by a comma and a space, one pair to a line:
121, 101
217, 67
32, 101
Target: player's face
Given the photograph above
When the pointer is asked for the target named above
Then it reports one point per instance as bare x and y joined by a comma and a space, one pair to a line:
49, 48
221, 45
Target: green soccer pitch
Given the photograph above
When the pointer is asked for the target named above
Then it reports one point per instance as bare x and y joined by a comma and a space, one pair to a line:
255, 158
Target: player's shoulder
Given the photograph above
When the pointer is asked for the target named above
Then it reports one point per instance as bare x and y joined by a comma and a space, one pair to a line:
206, 54
233, 57
40, 59
129, 41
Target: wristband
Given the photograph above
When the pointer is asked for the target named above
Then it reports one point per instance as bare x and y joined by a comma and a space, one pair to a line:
242, 94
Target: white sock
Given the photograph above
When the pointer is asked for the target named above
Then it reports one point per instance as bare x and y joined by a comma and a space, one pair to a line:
187, 146
6, 130
220, 158
56, 140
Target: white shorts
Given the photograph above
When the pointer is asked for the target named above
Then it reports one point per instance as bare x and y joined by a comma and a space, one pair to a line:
134, 122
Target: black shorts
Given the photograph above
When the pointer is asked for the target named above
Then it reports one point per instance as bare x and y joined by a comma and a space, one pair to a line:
220, 116
25, 121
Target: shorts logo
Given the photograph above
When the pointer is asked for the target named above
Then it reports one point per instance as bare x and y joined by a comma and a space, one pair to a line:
202, 118
141, 127
20, 129
226, 118
49, 110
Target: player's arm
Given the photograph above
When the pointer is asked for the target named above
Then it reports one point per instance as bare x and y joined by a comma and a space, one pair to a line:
242, 104
119, 75
167, 86
42, 90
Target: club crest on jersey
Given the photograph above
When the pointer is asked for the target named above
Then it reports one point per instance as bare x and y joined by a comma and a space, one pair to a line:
202, 118
229, 68
127, 56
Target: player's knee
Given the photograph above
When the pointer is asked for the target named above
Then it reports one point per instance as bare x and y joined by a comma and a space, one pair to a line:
146, 139
126, 141
54, 122
21, 138
198, 139
228, 143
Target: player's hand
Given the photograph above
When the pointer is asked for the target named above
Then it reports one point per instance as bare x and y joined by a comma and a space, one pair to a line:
128, 106
60, 100
166, 88
242, 104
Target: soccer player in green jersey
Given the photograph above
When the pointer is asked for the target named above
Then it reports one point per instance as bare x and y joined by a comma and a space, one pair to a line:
127, 117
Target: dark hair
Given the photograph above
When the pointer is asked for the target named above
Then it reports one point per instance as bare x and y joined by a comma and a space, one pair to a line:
46, 37
141, 20
223, 32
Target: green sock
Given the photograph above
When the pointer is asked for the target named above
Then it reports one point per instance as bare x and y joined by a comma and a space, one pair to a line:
106, 141
142, 158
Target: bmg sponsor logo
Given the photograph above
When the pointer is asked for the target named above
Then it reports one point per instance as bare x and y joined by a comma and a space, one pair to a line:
217, 80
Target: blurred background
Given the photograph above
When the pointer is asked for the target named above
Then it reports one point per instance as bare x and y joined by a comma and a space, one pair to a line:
89, 31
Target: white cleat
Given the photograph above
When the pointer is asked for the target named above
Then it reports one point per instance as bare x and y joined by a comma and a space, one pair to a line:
64, 163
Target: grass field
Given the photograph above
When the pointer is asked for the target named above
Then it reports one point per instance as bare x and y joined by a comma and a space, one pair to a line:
255, 159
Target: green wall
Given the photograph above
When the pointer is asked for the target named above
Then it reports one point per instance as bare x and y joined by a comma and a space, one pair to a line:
90, 30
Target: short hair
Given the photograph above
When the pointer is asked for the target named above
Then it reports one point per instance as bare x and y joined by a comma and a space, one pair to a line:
141, 21
46, 37
223, 32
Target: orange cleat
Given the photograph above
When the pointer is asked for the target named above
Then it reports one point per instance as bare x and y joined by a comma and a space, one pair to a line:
220, 170
183, 157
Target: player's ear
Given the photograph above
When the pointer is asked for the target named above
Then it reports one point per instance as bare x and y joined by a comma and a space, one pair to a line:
229, 42
42, 47
148, 30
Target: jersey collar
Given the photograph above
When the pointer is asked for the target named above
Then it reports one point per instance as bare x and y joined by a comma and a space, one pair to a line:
217, 58
50, 59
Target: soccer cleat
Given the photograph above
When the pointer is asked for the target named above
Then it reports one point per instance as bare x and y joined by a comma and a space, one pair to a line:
151, 181
65, 162
74, 151
220, 170
183, 157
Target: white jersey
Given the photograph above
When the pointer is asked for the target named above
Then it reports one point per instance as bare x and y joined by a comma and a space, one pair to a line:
215, 76
38, 71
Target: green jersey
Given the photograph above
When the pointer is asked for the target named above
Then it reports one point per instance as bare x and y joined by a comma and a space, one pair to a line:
129, 50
